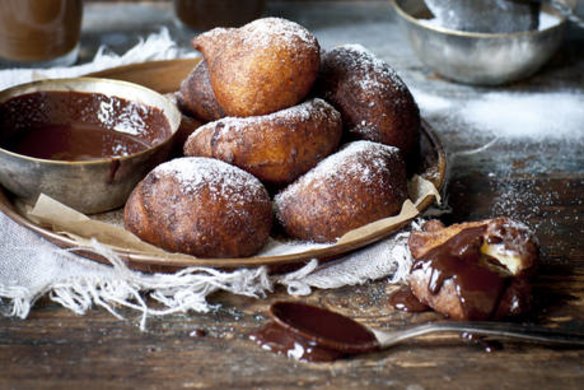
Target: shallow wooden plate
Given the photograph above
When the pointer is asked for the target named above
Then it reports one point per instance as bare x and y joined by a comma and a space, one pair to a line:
165, 77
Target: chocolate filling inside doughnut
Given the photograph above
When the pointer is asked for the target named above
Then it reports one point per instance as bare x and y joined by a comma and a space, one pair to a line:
482, 283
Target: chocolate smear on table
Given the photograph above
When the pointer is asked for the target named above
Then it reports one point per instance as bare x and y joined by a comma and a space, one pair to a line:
404, 300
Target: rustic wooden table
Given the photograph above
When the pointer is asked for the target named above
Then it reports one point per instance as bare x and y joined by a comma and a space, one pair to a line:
539, 181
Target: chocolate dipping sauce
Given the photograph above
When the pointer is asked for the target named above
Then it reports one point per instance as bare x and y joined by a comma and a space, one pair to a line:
76, 126
310, 333
33, 31
481, 284
74, 142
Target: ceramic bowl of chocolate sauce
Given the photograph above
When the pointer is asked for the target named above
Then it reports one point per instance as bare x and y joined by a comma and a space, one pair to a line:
85, 142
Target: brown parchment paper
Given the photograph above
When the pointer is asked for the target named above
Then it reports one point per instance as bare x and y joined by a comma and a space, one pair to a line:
71, 223
81, 228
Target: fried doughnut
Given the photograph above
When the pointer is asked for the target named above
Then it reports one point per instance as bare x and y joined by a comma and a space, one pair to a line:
202, 207
196, 97
475, 270
374, 102
362, 183
276, 148
262, 67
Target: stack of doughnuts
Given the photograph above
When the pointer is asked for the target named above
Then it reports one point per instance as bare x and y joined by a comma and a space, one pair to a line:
329, 135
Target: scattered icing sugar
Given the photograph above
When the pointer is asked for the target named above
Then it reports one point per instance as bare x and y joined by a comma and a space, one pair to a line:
534, 115
530, 127
364, 160
430, 103
524, 200
124, 117
375, 75
315, 110
221, 179
512, 115
275, 31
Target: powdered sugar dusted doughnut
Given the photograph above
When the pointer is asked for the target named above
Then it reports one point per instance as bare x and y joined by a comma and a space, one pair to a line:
200, 206
362, 183
276, 148
196, 97
374, 102
262, 67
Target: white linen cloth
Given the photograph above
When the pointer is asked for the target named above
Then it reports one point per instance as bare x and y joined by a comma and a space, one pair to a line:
31, 267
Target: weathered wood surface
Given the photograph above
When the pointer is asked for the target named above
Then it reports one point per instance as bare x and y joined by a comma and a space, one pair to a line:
540, 183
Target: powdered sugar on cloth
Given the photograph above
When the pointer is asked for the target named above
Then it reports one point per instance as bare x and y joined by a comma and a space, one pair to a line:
30, 267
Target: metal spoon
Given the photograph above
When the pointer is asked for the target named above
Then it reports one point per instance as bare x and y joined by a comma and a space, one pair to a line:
330, 330
527, 333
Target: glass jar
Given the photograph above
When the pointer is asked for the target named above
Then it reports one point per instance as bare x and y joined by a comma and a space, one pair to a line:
39, 33
205, 14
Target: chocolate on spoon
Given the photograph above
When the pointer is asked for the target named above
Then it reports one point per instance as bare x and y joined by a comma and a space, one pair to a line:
310, 333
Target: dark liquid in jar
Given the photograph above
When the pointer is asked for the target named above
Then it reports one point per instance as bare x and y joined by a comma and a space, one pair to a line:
38, 30
206, 14
78, 126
